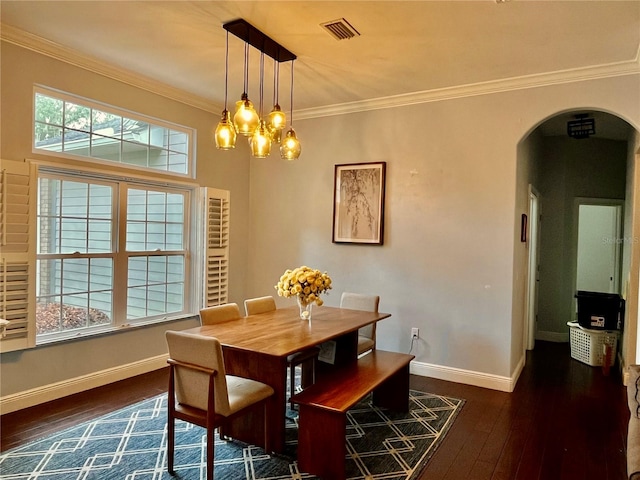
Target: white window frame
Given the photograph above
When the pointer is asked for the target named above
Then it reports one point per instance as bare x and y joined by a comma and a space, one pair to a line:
67, 97
192, 298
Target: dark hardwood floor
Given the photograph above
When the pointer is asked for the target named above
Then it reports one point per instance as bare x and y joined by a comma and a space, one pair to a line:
565, 420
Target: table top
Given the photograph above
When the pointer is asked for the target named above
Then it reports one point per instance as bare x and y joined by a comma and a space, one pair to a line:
282, 332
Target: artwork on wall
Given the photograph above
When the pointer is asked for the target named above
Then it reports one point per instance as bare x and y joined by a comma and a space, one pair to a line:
523, 228
358, 203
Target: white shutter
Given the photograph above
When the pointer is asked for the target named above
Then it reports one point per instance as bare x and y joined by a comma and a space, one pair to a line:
216, 247
18, 196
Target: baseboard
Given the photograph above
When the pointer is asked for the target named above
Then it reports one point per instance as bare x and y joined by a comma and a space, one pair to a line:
468, 377
36, 396
556, 337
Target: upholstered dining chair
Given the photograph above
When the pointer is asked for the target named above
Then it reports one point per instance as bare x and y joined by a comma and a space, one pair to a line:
219, 313
200, 391
358, 301
304, 358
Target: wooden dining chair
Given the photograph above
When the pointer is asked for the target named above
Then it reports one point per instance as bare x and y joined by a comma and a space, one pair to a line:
219, 313
200, 392
306, 359
358, 301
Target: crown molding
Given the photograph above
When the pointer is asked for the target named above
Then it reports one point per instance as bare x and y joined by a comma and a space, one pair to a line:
476, 89
54, 50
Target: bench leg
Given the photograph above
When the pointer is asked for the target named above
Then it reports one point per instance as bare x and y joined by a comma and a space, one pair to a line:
321, 442
394, 392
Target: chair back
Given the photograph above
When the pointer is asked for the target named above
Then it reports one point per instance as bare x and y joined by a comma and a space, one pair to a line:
359, 301
254, 306
192, 385
219, 313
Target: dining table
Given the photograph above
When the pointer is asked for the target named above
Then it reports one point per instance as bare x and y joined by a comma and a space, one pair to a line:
257, 346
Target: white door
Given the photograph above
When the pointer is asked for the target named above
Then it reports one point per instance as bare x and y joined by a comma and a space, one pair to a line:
599, 238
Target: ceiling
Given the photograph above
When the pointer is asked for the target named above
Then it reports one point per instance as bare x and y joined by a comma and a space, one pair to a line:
407, 51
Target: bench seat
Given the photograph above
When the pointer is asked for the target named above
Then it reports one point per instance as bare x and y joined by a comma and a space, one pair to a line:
323, 407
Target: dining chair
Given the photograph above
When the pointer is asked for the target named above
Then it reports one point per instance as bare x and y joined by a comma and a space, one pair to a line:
219, 313
200, 392
305, 358
358, 301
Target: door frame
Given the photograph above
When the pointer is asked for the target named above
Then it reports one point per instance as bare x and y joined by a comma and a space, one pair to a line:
533, 268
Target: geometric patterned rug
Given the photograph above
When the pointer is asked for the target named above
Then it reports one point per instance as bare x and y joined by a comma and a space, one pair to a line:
130, 444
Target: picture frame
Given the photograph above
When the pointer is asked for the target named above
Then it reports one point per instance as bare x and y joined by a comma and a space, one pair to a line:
523, 228
358, 203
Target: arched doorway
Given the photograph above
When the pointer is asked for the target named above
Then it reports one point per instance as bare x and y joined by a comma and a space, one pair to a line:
560, 169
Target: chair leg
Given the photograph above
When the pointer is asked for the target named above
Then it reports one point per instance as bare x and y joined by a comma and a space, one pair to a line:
308, 373
171, 430
292, 381
210, 452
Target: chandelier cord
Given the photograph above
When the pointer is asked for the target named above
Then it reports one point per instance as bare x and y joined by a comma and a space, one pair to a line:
226, 72
246, 67
291, 99
276, 81
261, 80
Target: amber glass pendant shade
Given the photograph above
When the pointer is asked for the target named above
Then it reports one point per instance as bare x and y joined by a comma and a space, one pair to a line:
276, 135
290, 147
261, 141
225, 134
246, 119
277, 118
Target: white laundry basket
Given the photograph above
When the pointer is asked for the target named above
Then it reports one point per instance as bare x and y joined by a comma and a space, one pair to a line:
587, 345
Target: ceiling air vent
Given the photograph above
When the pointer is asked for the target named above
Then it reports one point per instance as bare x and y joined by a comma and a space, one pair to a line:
340, 29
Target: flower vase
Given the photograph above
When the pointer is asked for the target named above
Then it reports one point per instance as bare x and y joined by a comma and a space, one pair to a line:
305, 309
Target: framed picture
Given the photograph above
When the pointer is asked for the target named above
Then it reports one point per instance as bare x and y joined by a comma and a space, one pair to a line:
523, 228
358, 203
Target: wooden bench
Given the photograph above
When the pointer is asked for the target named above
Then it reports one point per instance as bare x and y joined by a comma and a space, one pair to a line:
323, 407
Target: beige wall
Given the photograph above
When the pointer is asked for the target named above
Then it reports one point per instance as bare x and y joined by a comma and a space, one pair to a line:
448, 265
451, 236
631, 341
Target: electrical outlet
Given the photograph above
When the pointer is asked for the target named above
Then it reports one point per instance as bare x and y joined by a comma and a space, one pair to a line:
415, 333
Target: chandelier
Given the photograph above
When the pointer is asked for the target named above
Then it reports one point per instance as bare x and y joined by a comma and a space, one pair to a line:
261, 130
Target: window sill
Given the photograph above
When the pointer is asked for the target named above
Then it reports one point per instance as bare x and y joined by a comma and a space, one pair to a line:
59, 338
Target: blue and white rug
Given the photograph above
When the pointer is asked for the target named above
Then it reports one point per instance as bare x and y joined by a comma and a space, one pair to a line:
130, 444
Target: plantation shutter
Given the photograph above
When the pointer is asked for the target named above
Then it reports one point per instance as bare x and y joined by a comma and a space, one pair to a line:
18, 196
217, 247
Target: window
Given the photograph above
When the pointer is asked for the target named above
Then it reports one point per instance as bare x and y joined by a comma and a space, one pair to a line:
89, 277
84, 250
69, 125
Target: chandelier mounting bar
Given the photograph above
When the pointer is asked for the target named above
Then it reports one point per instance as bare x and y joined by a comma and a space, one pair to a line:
254, 37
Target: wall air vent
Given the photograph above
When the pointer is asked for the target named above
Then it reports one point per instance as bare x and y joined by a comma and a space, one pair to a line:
340, 29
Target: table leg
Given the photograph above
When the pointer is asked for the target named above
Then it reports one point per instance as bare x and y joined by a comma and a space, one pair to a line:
272, 371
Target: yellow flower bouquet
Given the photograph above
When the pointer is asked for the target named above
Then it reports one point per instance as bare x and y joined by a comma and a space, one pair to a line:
306, 284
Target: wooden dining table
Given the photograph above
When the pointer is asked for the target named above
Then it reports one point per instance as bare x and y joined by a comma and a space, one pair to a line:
257, 346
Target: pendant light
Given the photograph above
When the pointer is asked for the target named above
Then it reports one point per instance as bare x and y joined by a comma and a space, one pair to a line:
225, 134
261, 139
290, 147
277, 119
246, 118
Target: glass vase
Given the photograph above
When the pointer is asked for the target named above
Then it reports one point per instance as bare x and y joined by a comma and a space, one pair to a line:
305, 309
